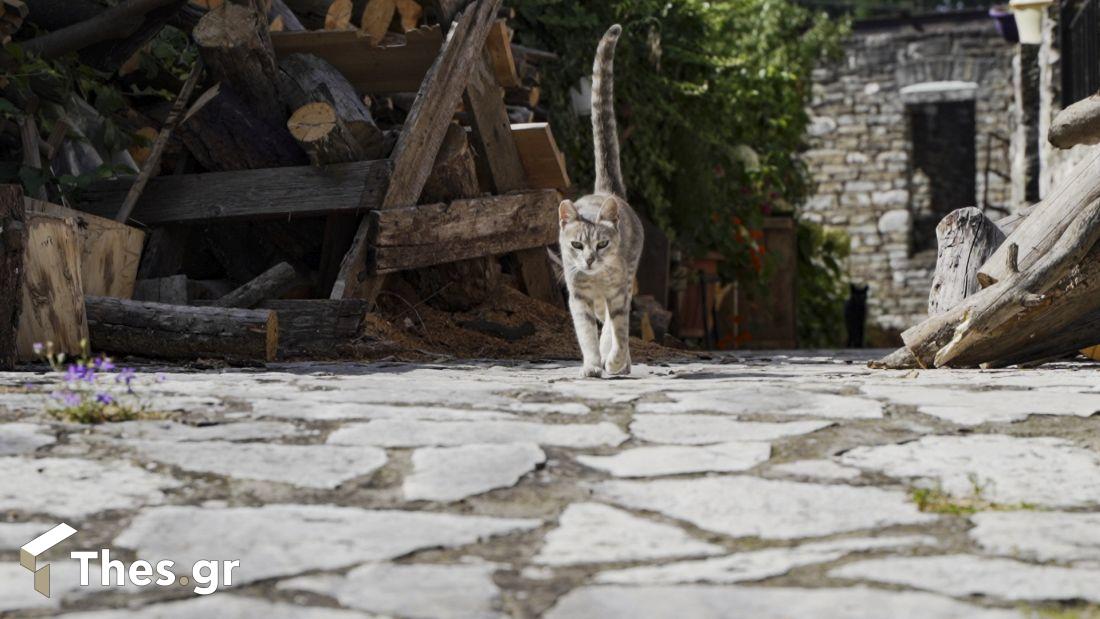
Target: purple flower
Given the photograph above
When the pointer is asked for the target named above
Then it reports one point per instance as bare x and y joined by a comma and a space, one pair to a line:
68, 397
104, 398
75, 372
38, 347
103, 364
161, 377
125, 376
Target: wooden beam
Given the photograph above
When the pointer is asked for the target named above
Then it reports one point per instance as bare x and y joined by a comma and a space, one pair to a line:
275, 192
499, 49
370, 69
543, 162
421, 137
421, 236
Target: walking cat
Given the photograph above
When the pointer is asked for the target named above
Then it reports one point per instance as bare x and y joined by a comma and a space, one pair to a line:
601, 238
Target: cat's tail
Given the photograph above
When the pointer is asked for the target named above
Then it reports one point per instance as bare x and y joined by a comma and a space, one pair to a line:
609, 177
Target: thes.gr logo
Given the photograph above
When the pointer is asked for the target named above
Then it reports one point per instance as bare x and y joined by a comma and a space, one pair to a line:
29, 553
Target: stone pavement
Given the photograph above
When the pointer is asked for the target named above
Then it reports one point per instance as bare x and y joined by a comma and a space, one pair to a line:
782, 486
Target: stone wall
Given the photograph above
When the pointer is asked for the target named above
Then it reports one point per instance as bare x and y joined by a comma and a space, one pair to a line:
862, 158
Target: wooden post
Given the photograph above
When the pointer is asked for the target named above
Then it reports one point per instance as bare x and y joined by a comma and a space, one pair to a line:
966, 239
421, 138
13, 243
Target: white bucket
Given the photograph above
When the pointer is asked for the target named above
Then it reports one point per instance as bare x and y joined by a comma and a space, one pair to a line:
1029, 19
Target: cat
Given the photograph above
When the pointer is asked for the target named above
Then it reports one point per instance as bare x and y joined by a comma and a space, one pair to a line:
855, 314
601, 238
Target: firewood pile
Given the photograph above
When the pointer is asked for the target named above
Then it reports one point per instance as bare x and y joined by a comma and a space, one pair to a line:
1023, 290
321, 153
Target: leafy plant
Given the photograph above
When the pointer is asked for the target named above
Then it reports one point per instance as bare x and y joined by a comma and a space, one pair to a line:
822, 285
91, 389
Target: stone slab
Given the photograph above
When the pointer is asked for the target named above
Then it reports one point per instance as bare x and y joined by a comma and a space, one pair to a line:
690, 429
415, 433
673, 459
453, 473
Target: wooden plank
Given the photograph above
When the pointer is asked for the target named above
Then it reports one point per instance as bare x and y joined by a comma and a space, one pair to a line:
109, 251
542, 162
421, 137
499, 48
492, 131
420, 236
268, 193
13, 241
370, 69
53, 300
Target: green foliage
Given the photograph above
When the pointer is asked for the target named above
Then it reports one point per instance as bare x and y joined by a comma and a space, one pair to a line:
821, 285
52, 83
937, 501
711, 100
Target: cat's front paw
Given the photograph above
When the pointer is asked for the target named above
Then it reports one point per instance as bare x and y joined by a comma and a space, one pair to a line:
618, 369
591, 371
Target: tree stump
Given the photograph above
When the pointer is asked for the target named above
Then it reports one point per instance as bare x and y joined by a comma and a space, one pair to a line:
966, 239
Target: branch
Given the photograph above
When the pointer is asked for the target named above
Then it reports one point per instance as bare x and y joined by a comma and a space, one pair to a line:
114, 23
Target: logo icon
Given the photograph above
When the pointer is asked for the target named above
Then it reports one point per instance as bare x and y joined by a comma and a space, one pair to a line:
29, 553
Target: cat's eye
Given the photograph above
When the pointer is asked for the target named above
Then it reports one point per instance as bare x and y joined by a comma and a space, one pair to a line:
602, 245
578, 245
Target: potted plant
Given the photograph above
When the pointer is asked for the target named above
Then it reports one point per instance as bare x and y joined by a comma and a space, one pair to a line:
1029, 19
1005, 22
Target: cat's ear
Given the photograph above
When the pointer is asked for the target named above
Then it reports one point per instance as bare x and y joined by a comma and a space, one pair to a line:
609, 211
567, 213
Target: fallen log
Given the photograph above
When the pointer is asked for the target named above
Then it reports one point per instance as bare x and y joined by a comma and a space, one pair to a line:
966, 238
305, 79
271, 284
1036, 235
421, 236
1040, 285
13, 243
322, 328
167, 331
236, 46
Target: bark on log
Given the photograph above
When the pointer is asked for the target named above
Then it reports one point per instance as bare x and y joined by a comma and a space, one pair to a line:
181, 331
1047, 223
223, 134
1077, 124
13, 242
966, 239
305, 79
236, 46
322, 328
271, 284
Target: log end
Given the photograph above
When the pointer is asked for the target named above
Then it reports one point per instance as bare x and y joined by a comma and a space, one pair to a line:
1077, 124
228, 26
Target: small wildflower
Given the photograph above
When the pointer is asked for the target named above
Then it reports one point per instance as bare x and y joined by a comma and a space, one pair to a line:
104, 364
104, 398
125, 376
74, 373
38, 348
161, 377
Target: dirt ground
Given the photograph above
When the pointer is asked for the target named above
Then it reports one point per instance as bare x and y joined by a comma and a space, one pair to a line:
510, 325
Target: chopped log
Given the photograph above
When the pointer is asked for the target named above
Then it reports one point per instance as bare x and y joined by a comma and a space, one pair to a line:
222, 134
13, 244
454, 174
370, 69
543, 163
376, 19
421, 236
900, 359
322, 328
305, 79
269, 193
1040, 285
172, 290
410, 12
167, 331
966, 239
499, 49
1077, 124
527, 96
152, 163
421, 138
280, 11
271, 284
1035, 236
52, 304
236, 46
338, 16
323, 135
109, 251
